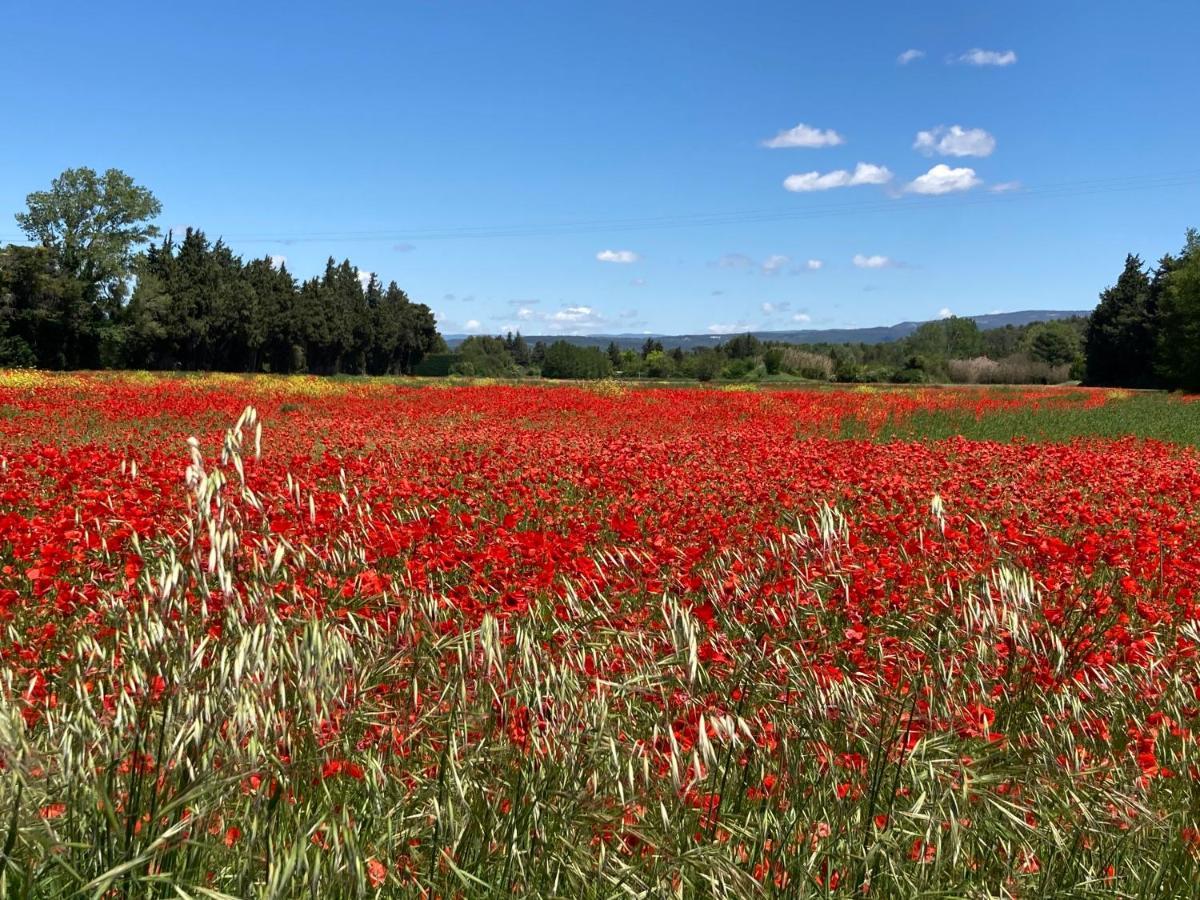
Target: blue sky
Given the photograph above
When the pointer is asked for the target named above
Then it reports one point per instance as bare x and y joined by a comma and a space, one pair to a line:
486, 155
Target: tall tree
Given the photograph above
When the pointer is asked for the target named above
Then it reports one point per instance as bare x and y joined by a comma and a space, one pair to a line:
93, 223
1119, 345
1179, 337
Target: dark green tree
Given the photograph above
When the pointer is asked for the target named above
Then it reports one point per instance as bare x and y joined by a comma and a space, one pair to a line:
1120, 341
1179, 337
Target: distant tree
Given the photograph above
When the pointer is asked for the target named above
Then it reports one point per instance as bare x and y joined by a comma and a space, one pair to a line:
1054, 343
567, 360
650, 346
659, 365
707, 363
484, 356
1121, 337
951, 338
845, 363
773, 360
1179, 337
744, 346
614, 354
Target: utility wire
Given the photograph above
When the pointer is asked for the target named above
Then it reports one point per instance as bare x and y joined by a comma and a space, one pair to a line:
898, 203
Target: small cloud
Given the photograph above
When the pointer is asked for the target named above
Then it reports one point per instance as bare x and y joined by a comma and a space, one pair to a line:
942, 179
471, 325
805, 136
909, 56
774, 263
955, 141
1005, 187
944, 313
771, 308
403, 248
802, 318
977, 57
638, 282
278, 261
716, 293
862, 261
364, 278
814, 264
617, 256
524, 313
864, 173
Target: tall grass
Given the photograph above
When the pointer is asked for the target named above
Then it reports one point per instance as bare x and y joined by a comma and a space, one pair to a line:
211, 737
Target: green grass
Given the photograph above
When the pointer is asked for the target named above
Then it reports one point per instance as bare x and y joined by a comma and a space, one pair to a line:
1149, 416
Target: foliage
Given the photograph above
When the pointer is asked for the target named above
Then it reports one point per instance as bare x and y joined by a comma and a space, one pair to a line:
566, 360
93, 224
1179, 335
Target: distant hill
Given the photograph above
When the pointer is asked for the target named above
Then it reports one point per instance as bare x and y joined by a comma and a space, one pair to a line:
877, 335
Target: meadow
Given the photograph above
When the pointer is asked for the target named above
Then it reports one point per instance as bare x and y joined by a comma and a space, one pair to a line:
293, 637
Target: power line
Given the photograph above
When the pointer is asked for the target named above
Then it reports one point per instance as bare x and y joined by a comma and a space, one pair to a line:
899, 203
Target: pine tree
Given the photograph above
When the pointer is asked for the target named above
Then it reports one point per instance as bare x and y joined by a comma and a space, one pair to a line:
1179, 309
1119, 345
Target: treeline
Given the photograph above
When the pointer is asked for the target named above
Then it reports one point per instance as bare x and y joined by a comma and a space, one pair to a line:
66, 303
198, 306
949, 350
1146, 330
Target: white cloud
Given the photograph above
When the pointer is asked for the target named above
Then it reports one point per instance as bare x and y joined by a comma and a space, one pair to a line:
805, 136
524, 313
955, 141
944, 313
1005, 187
728, 328
471, 325
977, 57
572, 314
617, 256
803, 318
278, 262
771, 308
813, 264
908, 56
864, 173
942, 179
574, 318
773, 264
862, 261
364, 278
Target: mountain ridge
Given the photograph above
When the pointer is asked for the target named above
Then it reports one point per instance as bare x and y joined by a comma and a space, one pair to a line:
877, 334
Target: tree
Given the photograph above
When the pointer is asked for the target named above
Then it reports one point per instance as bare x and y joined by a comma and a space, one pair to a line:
483, 356
773, 360
1179, 337
566, 360
1119, 345
614, 354
1054, 343
93, 224
950, 338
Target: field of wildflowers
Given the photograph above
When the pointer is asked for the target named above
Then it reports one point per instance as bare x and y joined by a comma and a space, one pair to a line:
303, 638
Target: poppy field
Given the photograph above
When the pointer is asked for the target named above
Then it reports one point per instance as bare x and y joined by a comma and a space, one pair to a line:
291, 637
